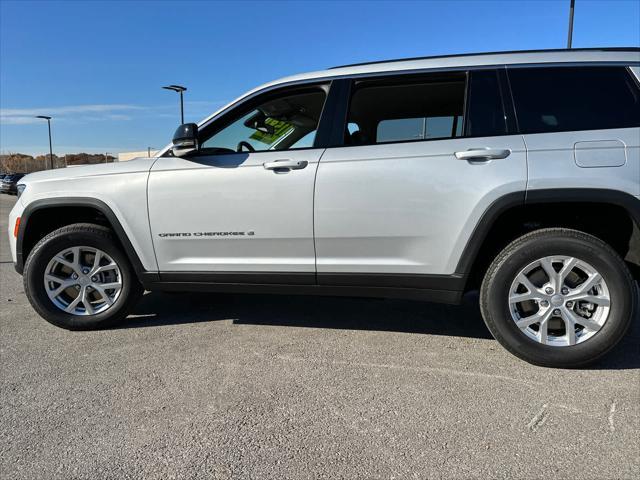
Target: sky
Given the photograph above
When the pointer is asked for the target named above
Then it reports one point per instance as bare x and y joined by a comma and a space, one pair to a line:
98, 67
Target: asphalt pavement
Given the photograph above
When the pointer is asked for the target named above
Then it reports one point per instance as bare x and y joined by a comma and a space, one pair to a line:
233, 386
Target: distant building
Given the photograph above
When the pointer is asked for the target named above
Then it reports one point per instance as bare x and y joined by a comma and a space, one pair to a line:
125, 156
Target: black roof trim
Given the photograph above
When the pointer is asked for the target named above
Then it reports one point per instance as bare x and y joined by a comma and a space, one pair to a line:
550, 50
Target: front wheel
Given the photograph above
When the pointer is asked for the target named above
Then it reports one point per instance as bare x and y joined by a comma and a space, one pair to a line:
78, 278
558, 298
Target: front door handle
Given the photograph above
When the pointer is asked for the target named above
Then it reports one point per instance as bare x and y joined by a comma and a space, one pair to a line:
483, 154
280, 166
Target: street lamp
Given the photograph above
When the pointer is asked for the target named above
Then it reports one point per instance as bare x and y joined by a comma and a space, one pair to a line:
48, 119
179, 89
572, 5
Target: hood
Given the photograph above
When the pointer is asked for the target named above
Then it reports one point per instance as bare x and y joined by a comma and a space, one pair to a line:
130, 166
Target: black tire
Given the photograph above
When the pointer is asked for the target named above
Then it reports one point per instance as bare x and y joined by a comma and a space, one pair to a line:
494, 293
79, 234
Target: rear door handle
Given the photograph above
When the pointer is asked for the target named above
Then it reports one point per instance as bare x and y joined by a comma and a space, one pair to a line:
483, 154
285, 165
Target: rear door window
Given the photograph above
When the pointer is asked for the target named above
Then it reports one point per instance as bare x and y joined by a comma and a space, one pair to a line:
426, 107
407, 109
560, 99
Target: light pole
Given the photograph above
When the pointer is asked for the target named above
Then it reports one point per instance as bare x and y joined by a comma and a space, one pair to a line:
570, 37
179, 89
48, 119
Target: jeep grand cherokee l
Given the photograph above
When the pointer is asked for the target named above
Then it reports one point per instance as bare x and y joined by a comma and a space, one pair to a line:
515, 173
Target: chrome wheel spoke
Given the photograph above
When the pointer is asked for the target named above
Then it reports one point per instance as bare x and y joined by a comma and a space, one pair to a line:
569, 319
523, 297
103, 294
67, 263
566, 269
61, 288
72, 306
540, 317
590, 324
547, 266
62, 284
77, 267
543, 330
86, 302
589, 283
598, 300
55, 278
104, 268
96, 262
602, 300
527, 284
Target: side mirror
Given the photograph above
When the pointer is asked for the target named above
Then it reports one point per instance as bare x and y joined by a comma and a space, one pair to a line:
185, 140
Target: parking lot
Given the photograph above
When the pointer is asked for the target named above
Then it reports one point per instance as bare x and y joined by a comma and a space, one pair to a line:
232, 386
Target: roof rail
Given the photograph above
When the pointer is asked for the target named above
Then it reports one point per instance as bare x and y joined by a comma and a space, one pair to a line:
551, 50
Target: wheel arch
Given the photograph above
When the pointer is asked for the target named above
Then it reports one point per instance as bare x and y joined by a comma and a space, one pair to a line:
34, 223
521, 212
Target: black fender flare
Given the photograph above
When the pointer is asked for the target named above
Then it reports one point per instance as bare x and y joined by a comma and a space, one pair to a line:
535, 197
94, 203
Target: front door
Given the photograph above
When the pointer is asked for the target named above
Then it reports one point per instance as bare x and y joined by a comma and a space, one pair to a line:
244, 203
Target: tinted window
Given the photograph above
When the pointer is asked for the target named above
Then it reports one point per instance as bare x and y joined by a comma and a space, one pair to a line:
407, 109
485, 113
568, 98
284, 122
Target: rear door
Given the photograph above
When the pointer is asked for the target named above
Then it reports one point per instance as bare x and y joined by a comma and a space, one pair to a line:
423, 158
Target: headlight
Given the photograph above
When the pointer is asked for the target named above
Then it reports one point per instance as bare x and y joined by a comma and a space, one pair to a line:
20, 188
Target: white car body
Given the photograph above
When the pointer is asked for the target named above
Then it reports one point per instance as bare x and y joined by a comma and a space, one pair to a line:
398, 215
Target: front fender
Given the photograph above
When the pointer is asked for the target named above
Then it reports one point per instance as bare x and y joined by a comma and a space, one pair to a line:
141, 261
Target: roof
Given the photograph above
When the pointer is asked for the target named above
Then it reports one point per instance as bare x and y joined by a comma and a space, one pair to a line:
629, 55
509, 52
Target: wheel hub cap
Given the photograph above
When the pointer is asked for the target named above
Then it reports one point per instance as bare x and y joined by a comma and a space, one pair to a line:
557, 300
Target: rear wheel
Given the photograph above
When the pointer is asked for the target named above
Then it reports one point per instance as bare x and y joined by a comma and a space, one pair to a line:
558, 298
78, 278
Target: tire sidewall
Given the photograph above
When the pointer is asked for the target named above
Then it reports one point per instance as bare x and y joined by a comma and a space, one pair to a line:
34, 279
607, 263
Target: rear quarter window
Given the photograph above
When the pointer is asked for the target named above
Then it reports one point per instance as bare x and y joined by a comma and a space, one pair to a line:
560, 99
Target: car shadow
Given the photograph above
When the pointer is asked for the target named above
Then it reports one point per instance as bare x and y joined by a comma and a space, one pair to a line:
158, 309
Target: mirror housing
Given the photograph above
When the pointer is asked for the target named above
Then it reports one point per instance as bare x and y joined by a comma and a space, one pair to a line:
185, 140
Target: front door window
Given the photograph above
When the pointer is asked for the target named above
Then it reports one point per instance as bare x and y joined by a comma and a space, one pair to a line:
281, 123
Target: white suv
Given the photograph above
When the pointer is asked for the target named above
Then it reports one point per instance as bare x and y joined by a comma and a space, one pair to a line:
516, 173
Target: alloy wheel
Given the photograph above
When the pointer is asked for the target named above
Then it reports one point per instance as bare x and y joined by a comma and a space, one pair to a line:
559, 301
82, 280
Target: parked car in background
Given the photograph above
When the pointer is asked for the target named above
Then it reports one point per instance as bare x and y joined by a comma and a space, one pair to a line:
9, 183
517, 174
